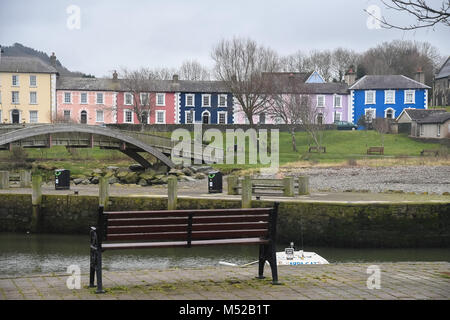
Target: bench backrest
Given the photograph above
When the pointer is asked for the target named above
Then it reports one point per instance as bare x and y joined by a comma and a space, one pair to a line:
186, 225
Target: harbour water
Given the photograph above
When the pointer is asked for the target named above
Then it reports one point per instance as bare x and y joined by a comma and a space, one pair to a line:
22, 254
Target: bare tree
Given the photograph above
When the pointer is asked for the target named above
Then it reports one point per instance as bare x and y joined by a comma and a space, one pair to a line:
193, 70
312, 119
426, 14
240, 63
342, 59
321, 62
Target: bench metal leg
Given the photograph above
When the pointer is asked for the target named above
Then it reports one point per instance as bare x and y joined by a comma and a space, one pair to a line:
98, 270
261, 261
268, 253
92, 264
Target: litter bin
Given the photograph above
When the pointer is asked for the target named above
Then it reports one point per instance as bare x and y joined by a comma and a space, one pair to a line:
215, 182
62, 179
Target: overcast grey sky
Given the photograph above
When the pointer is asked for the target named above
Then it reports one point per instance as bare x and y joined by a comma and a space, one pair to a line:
157, 33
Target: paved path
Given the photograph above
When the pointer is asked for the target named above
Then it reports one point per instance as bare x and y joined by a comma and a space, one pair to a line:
348, 281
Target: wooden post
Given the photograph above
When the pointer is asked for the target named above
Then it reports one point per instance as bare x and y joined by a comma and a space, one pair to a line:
25, 178
288, 183
4, 179
247, 192
303, 185
232, 182
103, 191
172, 193
36, 201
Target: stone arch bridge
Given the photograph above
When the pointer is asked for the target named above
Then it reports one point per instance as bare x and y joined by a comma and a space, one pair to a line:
87, 136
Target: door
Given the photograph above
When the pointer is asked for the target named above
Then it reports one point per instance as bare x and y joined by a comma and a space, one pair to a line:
205, 118
15, 115
83, 118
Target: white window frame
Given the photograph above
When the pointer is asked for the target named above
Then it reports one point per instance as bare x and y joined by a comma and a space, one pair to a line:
35, 81
209, 117
64, 115
37, 116
340, 100
226, 100
386, 97
219, 113
35, 97
96, 116
87, 99
186, 112
193, 100
164, 116
203, 100
321, 96
70, 97
386, 111
143, 94
97, 94
337, 113
413, 92
12, 97
366, 93
15, 78
371, 109
125, 116
163, 95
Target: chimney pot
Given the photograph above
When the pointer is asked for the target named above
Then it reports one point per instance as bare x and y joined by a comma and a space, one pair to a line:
175, 77
115, 75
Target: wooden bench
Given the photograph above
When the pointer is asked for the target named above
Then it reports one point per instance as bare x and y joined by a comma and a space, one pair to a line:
261, 186
375, 150
429, 152
183, 228
317, 149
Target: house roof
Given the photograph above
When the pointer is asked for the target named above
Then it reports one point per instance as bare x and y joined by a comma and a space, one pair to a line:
286, 76
297, 86
444, 71
436, 118
87, 84
387, 82
420, 114
25, 64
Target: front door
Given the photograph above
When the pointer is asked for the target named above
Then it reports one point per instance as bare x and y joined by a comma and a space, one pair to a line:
83, 118
15, 115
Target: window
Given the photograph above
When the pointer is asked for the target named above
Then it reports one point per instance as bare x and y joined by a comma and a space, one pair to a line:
144, 99
67, 97
189, 115
99, 116
128, 116
66, 115
370, 114
144, 117
15, 97
389, 113
222, 100
15, 80
160, 99
206, 100
337, 116
83, 98
337, 101
189, 100
128, 99
99, 99
320, 118
370, 97
33, 97
33, 116
321, 101
262, 118
409, 96
32, 81
222, 118
389, 97
160, 116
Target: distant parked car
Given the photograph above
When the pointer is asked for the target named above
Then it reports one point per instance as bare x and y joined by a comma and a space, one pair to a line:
345, 125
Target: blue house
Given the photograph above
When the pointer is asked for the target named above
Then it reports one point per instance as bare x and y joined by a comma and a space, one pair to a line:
206, 102
385, 96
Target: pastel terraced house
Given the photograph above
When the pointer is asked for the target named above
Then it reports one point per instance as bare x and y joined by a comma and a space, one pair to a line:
87, 100
27, 90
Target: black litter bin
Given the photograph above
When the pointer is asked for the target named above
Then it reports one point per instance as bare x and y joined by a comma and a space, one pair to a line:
215, 182
62, 179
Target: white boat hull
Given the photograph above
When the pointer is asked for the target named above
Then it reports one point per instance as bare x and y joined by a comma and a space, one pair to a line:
299, 258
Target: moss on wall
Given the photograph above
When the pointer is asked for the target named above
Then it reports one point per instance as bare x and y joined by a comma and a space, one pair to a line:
328, 224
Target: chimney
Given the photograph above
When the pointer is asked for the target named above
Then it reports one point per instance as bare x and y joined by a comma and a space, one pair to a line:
350, 77
419, 76
115, 75
53, 60
175, 78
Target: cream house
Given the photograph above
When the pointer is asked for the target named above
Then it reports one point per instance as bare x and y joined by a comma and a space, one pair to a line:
27, 90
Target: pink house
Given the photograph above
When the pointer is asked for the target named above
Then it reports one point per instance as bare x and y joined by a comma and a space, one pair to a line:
86, 100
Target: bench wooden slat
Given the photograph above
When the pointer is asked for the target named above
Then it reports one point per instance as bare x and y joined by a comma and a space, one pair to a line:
183, 227
184, 213
196, 235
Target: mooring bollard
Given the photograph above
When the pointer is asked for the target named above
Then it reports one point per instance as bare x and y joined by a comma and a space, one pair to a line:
172, 193
25, 178
288, 183
232, 182
303, 185
103, 191
247, 192
4, 179
36, 201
